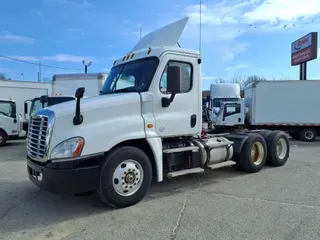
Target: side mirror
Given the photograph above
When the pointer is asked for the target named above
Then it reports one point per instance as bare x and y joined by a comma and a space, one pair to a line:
44, 99
25, 108
173, 79
78, 118
79, 92
173, 84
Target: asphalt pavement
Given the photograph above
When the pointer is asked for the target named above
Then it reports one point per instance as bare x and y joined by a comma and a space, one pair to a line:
276, 203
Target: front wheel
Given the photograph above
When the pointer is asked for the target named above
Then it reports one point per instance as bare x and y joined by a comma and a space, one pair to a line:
125, 178
3, 139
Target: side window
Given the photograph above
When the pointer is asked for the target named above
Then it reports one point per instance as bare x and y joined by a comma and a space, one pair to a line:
231, 109
186, 77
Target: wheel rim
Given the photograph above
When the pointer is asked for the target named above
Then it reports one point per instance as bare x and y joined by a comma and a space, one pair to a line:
257, 153
128, 177
282, 148
1, 139
309, 135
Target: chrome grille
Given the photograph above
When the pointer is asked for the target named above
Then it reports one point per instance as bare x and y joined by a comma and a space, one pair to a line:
37, 137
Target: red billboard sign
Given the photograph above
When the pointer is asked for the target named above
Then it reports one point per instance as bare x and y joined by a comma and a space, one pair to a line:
304, 49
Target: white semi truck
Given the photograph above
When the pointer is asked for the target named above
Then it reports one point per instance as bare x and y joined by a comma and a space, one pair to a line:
139, 128
11, 122
290, 106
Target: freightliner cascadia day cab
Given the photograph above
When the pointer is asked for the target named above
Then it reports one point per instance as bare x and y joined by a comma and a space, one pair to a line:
139, 128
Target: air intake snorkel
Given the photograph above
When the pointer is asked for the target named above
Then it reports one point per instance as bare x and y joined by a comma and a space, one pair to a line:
78, 118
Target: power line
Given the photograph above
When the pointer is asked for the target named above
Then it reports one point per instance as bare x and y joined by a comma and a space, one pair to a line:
37, 64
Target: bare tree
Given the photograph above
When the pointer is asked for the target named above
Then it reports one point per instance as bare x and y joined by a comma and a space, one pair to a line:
241, 80
4, 77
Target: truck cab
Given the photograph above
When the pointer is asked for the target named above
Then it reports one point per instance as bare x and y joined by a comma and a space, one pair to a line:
231, 113
220, 93
10, 122
36, 105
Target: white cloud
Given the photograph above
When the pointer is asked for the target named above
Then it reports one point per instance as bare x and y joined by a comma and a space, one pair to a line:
11, 38
106, 70
237, 67
68, 58
283, 10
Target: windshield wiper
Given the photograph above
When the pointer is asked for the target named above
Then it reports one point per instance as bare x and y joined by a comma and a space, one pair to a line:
102, 92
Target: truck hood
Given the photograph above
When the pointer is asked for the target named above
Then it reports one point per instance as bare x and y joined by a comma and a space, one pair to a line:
95, 103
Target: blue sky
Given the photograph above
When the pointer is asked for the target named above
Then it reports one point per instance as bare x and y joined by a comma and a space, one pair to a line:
239, 38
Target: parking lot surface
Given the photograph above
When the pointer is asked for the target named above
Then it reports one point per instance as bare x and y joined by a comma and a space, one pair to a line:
276, 203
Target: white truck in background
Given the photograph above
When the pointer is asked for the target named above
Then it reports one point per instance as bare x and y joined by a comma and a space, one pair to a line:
139, 128
63, 87
290, 106
11, 122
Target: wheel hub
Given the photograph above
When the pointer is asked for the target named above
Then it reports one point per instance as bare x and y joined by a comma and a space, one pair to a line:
257, 153
127, 177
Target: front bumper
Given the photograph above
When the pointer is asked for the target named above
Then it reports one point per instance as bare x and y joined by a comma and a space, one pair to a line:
74, 176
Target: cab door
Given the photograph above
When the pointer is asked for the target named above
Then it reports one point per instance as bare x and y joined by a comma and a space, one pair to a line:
183, 115
8, 120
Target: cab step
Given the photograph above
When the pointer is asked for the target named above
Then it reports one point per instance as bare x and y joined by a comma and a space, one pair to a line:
182, 149
184, 172
221, 164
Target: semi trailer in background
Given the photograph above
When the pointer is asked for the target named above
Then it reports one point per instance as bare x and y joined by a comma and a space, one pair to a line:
291, 106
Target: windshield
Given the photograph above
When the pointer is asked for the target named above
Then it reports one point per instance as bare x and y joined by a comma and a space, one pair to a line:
8, 109
217, 101
134, 76
37, 105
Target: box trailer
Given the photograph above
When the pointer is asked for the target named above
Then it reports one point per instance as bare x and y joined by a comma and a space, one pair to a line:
66, 84
285, 105
22, 90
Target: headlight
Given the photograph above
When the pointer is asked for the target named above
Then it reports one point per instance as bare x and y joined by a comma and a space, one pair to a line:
68, 148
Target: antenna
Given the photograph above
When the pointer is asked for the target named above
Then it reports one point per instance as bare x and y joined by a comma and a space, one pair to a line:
200, 28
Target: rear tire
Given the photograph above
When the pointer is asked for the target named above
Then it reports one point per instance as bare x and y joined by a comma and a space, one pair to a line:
253, 154
307, 135
125, 177
3, 139
278, 146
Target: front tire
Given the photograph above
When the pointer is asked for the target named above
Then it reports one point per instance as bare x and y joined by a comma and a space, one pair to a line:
3, 139
125, 177
253, 154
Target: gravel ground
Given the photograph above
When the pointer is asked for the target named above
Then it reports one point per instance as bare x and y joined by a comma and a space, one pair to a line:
276, 203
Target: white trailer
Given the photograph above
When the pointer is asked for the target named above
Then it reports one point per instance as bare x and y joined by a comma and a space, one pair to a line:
22, 90
66, 84
150, 127
290, 106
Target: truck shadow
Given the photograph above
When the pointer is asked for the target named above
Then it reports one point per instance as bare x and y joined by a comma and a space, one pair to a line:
22, 202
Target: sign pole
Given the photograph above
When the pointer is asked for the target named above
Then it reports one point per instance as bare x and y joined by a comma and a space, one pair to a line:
303, 71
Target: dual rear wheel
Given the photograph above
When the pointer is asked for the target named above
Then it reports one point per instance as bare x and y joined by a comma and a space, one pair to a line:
270, 147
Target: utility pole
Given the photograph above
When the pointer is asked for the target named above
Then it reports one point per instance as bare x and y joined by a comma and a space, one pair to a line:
86, 66
39, 73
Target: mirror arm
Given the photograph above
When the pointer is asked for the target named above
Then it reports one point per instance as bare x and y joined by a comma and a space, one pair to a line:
165, 102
